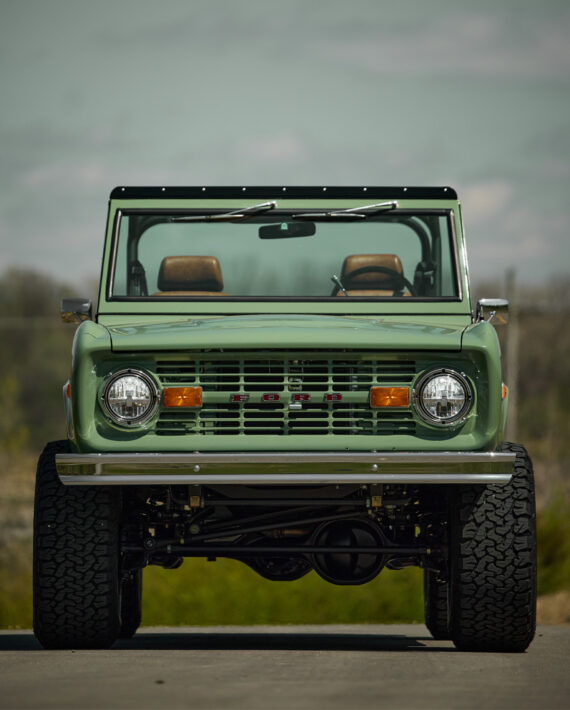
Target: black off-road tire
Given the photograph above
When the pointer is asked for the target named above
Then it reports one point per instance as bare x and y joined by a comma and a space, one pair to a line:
493, 562
76, 560
131, 604
436, 606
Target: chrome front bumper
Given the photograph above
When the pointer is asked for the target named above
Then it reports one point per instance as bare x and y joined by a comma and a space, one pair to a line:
285, 468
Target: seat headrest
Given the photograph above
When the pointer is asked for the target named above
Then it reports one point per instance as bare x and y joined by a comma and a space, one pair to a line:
190, 273
369, 278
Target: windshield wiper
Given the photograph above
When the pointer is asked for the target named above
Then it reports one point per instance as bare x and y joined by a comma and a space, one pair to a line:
242, 213
352, 213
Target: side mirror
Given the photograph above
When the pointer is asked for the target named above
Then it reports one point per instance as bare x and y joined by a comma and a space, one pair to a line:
76, 310
493, 310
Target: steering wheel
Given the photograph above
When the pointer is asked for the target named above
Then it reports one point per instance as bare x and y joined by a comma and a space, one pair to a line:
400, 281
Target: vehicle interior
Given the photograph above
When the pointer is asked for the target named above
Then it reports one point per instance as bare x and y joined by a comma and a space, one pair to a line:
180, 256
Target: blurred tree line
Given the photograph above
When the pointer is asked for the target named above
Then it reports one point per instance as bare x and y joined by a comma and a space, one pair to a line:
35, 350
35, 356
543, 377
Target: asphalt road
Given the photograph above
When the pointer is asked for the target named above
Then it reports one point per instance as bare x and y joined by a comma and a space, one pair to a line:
285, 667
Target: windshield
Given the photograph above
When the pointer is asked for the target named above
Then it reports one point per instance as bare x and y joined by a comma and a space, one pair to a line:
284, 255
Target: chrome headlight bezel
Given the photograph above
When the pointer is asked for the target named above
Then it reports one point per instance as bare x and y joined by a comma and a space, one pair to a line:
130, 422
425, 414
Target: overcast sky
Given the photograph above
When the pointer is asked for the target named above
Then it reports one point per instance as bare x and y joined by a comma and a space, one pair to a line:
470, 94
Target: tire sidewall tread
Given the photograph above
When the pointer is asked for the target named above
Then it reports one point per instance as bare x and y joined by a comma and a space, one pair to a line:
76, 560
493, 562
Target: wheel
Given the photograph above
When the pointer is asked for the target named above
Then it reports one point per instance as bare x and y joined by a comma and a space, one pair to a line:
493, 562
436, 606
76, 548
131, 604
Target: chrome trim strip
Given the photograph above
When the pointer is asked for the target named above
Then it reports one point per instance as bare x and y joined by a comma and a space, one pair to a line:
304, 467
269, 457
283, 479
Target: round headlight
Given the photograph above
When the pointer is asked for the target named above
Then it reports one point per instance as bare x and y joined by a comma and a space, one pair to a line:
443, 397
130, 397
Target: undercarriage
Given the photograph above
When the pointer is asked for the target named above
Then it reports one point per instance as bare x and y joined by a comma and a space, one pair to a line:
347, 534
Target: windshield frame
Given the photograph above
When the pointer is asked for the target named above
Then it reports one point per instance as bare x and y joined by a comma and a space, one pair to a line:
392, 215
316, 198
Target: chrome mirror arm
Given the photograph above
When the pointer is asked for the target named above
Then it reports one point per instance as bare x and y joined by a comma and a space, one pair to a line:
492, 310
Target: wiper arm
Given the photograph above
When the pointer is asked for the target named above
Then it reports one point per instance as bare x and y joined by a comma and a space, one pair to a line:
371, 209
242, 213
352, 213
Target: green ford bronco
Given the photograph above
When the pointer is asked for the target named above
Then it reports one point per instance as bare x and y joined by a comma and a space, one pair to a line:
292, 377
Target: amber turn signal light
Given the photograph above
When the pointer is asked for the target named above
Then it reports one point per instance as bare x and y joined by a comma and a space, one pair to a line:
505, 390
389, 397
182, 397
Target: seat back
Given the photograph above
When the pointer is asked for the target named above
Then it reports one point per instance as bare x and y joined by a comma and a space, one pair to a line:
363, 275
190, 276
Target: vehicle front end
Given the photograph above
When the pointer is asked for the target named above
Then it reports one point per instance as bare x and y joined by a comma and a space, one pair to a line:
293, 378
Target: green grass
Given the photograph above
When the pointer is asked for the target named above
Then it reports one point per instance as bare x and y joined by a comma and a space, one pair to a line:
16, 587
228, 592
553, 530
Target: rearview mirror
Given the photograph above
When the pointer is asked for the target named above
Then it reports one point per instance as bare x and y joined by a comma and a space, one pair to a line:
287, 230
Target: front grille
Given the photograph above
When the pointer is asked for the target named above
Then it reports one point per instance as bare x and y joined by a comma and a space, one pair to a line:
278, 375
221, 379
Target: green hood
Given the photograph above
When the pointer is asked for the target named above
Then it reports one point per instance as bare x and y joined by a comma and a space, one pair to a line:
288, 331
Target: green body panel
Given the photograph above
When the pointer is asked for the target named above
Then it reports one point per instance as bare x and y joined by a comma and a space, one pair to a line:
284, 331
432, 334
472, 350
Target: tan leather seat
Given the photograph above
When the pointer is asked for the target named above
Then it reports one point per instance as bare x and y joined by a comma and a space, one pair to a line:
362, 275
190, 276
